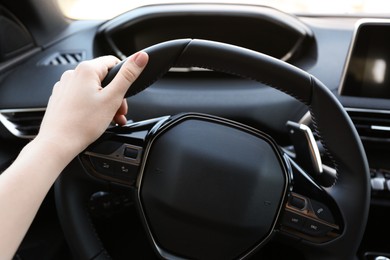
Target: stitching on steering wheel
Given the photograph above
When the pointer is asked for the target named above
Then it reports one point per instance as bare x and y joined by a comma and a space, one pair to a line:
320, 137
246, 77
102, 249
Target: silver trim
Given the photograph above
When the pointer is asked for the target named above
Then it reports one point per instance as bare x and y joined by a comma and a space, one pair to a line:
306, 119
330, 171
311, 144
187, 69
138, 185
315, 153
367, 110
373, 111
380, 128
372, 127
12, 127
358, 24
146, 122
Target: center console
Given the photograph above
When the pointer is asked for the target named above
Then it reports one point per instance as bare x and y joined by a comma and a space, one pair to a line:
366, 76
365, 92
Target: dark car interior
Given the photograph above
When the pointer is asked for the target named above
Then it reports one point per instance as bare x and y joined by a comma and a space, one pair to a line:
253, 133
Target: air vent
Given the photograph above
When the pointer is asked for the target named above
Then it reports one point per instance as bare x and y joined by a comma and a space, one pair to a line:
23, 123
371, 124
64, 58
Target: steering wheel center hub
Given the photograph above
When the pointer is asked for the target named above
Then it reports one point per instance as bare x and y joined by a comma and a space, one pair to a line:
211, 187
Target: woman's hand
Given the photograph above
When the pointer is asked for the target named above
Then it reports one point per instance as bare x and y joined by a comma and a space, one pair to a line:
80, 110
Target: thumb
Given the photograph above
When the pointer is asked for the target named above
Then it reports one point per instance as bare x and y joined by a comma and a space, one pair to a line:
128, 73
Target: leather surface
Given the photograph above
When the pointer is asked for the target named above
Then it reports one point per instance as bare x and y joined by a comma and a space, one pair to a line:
72, 192
351, 190
224, 58
332, 123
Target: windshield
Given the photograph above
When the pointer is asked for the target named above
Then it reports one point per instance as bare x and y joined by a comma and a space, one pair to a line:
106, 9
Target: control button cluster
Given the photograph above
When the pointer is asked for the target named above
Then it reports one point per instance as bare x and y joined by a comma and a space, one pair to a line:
115, 169
308, 216
120, 166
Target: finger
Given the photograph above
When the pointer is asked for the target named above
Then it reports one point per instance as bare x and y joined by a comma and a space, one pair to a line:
128, 73
120, 119
123, 108
98, 66
120, 116
109, 62
56, 86
66, 75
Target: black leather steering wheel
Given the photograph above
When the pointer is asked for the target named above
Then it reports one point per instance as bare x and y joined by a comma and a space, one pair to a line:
210, 188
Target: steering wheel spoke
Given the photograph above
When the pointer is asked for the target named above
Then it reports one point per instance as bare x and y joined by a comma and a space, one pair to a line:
116, 156
310, 212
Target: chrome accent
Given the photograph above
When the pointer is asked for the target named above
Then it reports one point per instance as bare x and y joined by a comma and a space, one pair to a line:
367, 110
380, 128
286, 167
315, 153
330, 171
11, 126
358, 24
311, 145
146, 122
188, 69
373, 127
306, 119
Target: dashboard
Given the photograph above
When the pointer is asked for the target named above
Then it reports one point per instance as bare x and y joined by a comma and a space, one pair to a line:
348, 54
366, 77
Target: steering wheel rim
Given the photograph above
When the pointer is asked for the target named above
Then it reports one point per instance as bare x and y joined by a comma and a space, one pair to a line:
330, 120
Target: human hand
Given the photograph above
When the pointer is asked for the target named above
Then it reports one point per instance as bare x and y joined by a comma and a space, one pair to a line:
80, 110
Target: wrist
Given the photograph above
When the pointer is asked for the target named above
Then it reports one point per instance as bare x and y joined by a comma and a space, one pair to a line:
59, 150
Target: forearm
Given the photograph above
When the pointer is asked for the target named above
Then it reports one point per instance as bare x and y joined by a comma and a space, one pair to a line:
78, 112
23, 186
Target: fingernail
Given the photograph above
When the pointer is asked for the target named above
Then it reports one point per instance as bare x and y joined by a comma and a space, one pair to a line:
140, 58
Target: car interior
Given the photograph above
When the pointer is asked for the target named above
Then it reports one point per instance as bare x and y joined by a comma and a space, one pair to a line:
253, 133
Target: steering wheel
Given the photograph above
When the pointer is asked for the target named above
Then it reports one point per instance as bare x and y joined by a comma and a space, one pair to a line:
211, 188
